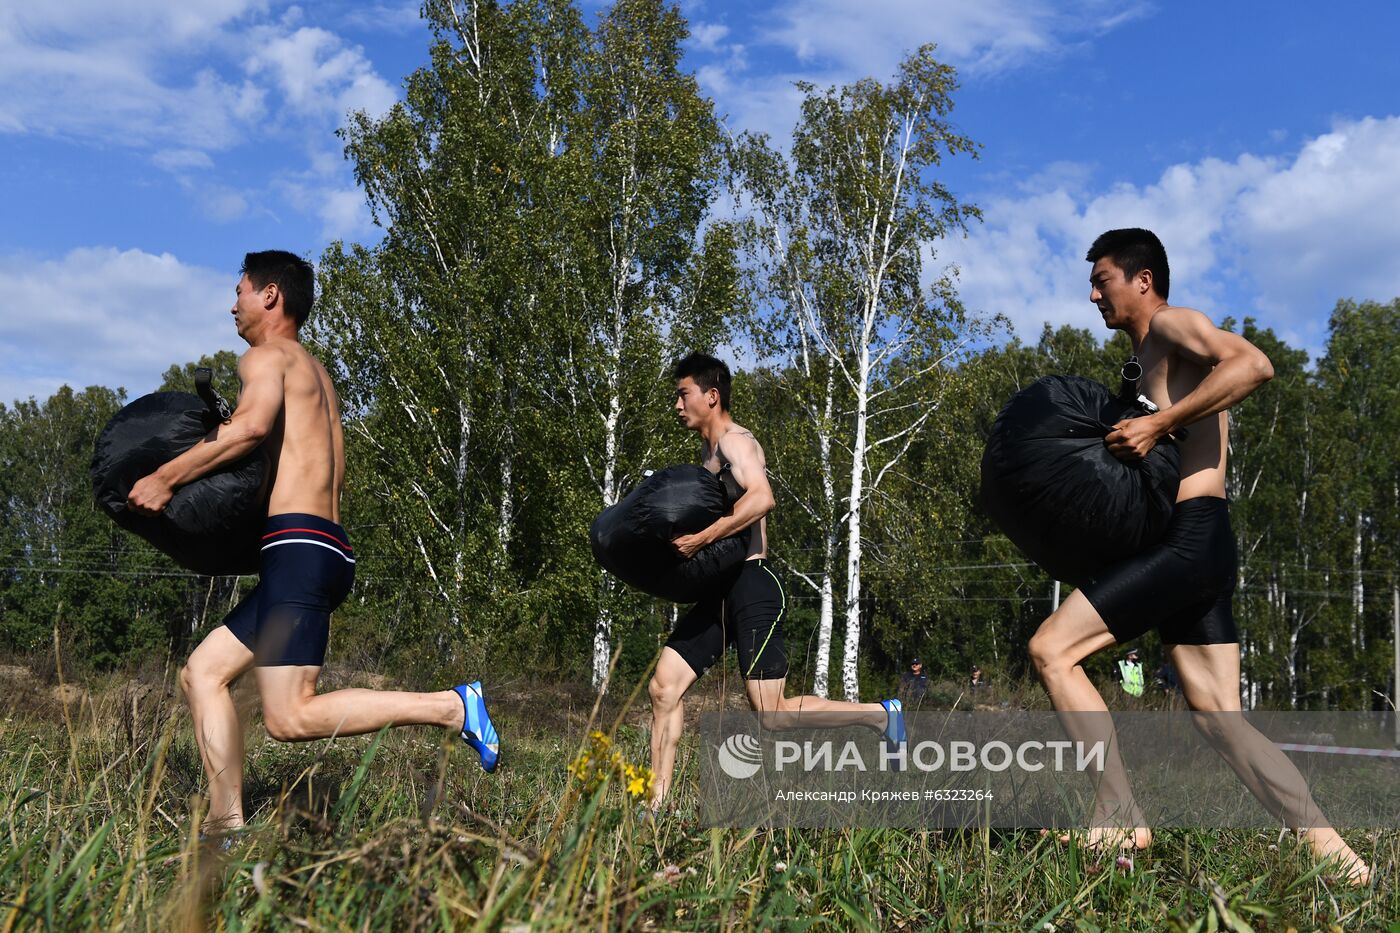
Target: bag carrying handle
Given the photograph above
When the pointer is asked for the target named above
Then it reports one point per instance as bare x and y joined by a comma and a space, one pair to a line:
204, 385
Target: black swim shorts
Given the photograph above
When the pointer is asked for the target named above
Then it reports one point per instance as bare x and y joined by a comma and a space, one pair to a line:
749, 616
308, 567
1181, 586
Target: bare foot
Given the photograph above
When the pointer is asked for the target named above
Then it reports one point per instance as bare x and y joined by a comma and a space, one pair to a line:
1118, 838
1101, 839
1327, 846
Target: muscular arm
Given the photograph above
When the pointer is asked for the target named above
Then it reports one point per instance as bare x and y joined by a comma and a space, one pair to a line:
1239, 368
259, 403
747, 464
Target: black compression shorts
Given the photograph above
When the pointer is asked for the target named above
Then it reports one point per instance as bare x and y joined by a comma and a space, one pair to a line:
307, 569
749, 615
1181, 586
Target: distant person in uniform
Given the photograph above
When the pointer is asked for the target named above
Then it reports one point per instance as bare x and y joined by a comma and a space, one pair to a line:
913, 683
1130, 670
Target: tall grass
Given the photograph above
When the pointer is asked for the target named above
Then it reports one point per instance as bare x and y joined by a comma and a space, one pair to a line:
100, 804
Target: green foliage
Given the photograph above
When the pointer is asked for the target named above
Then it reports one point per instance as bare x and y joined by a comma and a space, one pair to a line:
503, 352
502, 355
223, 365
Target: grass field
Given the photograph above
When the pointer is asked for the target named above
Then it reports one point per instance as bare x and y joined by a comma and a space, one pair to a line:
99, 801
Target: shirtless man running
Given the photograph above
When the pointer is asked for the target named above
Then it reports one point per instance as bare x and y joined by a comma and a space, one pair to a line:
1193, 371
288, 405
750, 614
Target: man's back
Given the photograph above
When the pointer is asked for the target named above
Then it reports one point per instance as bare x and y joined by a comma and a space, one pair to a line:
307, 445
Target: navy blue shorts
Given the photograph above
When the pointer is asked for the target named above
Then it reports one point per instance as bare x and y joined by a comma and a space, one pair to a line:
308, 567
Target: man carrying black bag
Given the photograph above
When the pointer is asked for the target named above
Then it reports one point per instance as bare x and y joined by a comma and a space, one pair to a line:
750, 614
288, 405
1182, 586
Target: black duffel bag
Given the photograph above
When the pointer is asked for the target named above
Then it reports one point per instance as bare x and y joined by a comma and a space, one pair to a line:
1050, 483
632, 539
212, 525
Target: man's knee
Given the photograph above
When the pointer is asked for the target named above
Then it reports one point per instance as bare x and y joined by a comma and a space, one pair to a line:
1217, 727
664, 692
285, 725
196, 679
1045, 651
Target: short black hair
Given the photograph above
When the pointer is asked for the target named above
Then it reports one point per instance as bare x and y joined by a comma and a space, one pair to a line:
1133, 249
292, 275
708, 373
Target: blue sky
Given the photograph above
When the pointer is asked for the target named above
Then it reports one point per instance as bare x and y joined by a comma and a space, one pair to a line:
146, 145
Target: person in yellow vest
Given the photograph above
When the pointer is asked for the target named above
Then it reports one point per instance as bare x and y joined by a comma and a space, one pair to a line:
1130, 669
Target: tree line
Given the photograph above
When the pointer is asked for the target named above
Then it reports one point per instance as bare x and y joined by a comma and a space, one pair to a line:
563, 215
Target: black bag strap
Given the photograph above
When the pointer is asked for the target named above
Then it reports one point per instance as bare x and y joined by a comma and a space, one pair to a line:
204, 385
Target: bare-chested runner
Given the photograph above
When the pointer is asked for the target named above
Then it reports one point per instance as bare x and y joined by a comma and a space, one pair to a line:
750, 613
1193, 371
288, 405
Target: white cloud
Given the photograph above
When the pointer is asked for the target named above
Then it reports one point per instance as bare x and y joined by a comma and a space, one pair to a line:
166, 72
169, 22
182, 79
1277, 239
1327, 226
992, 35
344, 214
398, 18
104, 316
222, 205
173, 160
318, 73
707, 35
838, 42
103, 72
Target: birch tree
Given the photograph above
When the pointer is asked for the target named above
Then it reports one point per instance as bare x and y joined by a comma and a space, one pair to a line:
423, 331
1359, 375
636, 283
855, 216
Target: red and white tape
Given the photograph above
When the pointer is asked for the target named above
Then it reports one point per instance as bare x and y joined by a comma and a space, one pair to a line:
1342, 750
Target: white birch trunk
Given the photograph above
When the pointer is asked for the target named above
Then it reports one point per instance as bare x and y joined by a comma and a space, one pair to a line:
1358, 590
827, 610
850, 650
458, 554
602, 630
1293, 666
505, 518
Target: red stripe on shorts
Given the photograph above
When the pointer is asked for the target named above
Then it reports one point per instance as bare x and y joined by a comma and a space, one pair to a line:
312, 531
